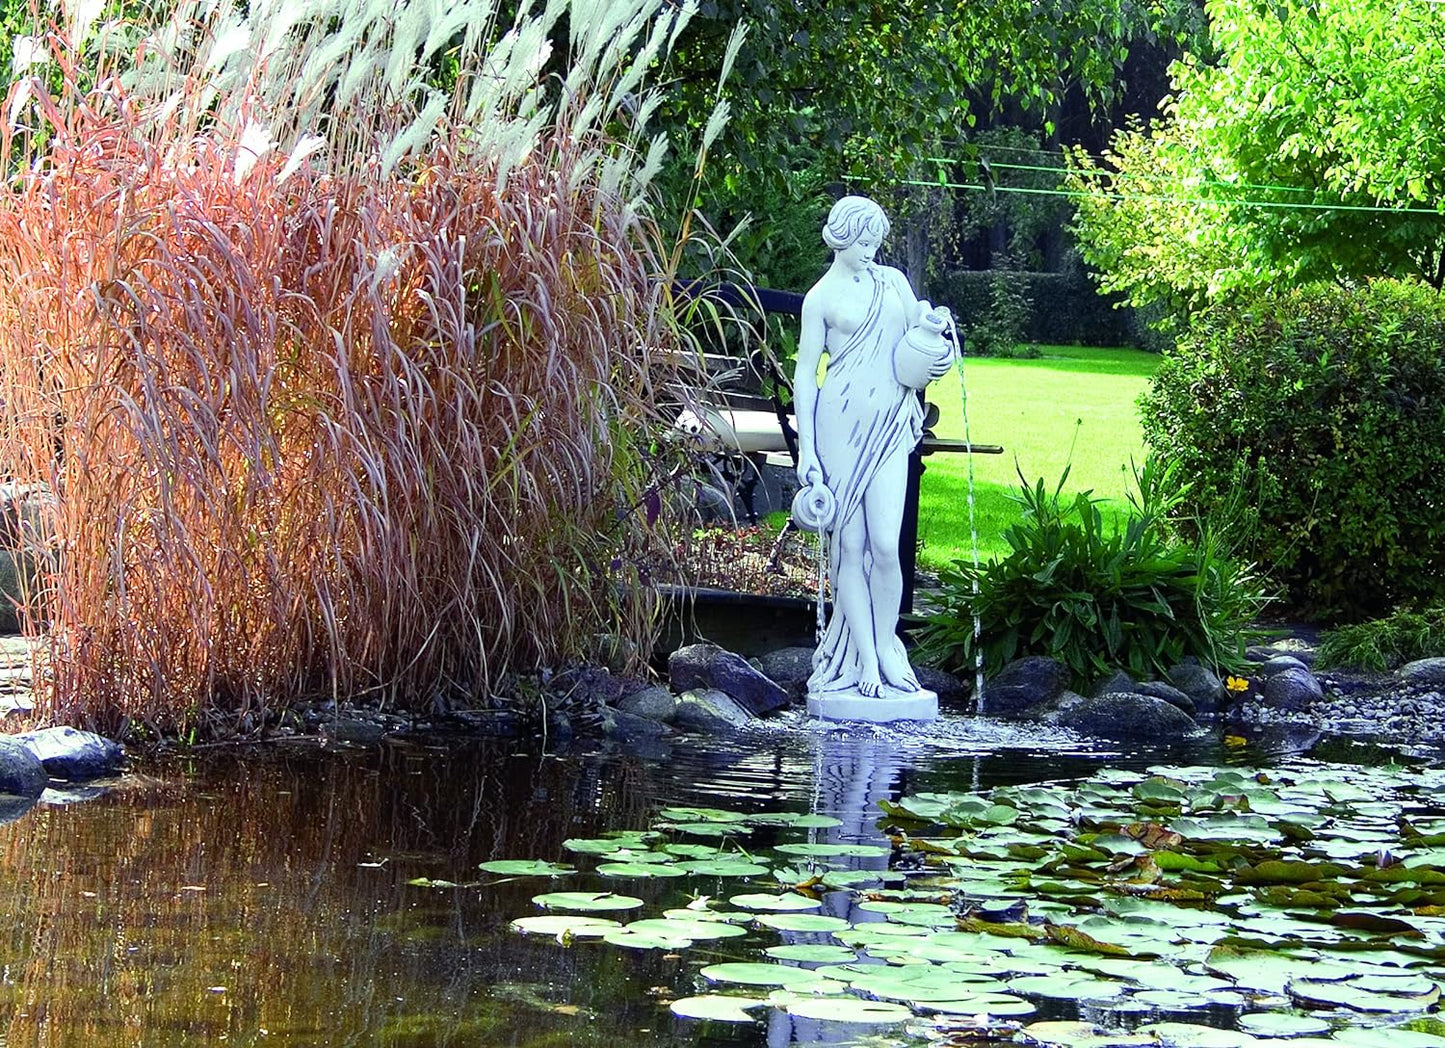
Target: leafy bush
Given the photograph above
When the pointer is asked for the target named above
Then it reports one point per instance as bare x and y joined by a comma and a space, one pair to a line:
1062, 308
342, 385
1318, 416
1130, 596
1402, 636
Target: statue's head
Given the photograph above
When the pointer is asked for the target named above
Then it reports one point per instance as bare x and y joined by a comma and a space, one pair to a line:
851, 217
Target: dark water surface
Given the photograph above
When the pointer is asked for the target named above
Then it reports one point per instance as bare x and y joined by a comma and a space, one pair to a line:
261, 898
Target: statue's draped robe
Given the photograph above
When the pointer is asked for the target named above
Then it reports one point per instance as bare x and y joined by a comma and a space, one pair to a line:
863, 418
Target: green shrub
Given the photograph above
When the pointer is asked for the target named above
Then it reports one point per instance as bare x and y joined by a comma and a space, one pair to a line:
1062, 308
1128, 596
1319, 415
1383, 644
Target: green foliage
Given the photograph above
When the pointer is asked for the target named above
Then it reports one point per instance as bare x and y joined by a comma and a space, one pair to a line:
1402, 636
1000, 329
1061, 308
1131, 595
1318, 416
1312, 149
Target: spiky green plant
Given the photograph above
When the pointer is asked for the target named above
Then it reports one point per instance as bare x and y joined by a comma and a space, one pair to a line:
343, 384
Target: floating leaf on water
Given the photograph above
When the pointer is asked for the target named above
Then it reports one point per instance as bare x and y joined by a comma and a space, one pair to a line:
699, 931
797, 820
1000, 1005
723, 868
694, 851
761, 974
710, 829
811, 953
564, 925
1192, 1035
700, 815
586, 901
1282, 1024
1393, 1037
526, 868
787, 901
607, 845
1066, 1034
1067, 987
639, 940
1314, 993
851, 878
710, 916
802, 922
832, 851
427, 882
865, 934
849, 1010
640, 869
717, 1008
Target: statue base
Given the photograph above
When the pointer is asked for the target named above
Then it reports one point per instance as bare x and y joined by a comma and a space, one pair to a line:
892, 705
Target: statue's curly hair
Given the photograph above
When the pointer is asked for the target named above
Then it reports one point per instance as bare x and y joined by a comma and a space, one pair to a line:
850, 218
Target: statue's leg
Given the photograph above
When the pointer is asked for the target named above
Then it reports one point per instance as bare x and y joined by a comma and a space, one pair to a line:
852, 600
883, 506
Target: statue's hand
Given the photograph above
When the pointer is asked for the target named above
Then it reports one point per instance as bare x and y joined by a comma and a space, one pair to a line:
810, 471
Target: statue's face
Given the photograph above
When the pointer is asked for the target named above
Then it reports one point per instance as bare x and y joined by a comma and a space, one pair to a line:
859, 254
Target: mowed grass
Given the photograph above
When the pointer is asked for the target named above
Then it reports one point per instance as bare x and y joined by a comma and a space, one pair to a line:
1074, 406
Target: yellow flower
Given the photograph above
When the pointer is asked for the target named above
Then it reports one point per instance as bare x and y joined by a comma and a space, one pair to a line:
1236, 684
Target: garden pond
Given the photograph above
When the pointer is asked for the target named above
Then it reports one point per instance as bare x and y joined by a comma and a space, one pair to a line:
799, 885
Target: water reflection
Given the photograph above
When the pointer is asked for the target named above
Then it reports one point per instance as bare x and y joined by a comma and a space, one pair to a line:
264, 899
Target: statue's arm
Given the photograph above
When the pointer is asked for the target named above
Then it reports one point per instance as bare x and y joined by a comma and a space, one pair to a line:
811, 342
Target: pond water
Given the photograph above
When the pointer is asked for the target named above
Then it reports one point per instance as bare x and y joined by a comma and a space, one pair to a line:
265, 897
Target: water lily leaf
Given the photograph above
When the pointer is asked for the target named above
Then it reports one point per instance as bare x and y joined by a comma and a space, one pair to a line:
831, 851
1191, 1035
586, 901
811, 953
1282, 1024
637, 940
710, 829
1394, 1037
849, 1010
427, 882
867, 934
851, 878
607, 845
998, 815
1067, 1034
693, 851
723, 868
786, 901
717, 1008
1067, 987
1001, 1005
761, 974
802, 922
1393, 982
797, 820
710, 916
1315, 993
680, 928
924, 807
676, 815
526, 868
640, 869
562, 925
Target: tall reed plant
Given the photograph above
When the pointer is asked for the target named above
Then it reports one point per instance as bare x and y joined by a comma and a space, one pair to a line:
344, 383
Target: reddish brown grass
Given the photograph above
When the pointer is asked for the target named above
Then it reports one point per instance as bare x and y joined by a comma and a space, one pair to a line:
351, 432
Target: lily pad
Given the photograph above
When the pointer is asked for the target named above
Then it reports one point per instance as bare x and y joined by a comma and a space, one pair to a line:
1282, 1024
811, 953
640, 940
748, 974
796, 820
849, 1010
834, 851
606, 845
718, 1008
788, 901
723, 868
526, 868
697, 930
586, 901
684, 815
562, 925
802, 922
641, 870
1000, 1005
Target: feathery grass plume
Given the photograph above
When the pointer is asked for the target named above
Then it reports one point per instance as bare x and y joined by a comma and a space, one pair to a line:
337, 390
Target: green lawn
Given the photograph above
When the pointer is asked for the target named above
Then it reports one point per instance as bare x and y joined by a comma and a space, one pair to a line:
1034, 408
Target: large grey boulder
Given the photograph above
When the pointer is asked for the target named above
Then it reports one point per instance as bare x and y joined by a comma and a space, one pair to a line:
711, 712
709, 666
74, 755
1292, 689
1023, 684
1122, 716
1200, 683
655, 704
1168, 693
1429, 672
21, 773
951, 689
789, 668
1116, 681
629, 727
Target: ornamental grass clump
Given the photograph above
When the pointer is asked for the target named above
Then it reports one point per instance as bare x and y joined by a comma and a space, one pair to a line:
1131, 595
344, 384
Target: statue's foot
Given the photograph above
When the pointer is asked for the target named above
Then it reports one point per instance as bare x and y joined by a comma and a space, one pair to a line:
870, 688
896, 670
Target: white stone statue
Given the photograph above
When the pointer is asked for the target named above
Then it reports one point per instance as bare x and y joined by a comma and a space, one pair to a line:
867, 344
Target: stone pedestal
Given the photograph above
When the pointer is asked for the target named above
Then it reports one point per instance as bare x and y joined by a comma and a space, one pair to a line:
892, 706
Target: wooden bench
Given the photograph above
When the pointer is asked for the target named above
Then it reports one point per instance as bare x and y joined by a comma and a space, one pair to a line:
760, 430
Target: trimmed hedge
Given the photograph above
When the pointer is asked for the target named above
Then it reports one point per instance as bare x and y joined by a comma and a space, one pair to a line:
1315, 420
1064, 308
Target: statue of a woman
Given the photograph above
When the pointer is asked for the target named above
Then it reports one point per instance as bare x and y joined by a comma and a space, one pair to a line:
857, 424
